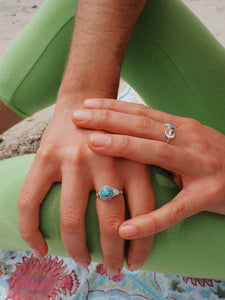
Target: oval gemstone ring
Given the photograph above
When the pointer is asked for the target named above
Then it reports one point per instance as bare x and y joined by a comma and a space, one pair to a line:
107, 192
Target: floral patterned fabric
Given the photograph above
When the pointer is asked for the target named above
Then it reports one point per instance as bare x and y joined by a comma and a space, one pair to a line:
22, 277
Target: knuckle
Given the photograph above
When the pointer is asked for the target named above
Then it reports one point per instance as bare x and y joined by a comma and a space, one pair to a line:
213, 165
125, 143
200, 140
113, 104
142, 122
105, 116
71, 221
142, 110
111, 225
24, 200
155, 224
215, 191
192, 123
76, 156
210, 165
45, 154
179, 212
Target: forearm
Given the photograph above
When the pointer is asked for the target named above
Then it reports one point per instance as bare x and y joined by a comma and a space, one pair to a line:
101, 33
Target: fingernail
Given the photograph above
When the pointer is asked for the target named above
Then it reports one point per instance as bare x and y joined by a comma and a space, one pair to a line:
128, 231
112, 272
37, 253
81, 115
134, 266
83, 264
92, 103
100, 140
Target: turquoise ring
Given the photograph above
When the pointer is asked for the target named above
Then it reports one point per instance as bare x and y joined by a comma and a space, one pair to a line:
107, 192
170, 131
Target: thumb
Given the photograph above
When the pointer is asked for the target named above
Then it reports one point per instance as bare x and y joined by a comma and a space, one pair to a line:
184, 205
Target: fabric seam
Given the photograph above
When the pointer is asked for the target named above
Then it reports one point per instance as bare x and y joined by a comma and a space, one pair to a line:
35, 63
181, 74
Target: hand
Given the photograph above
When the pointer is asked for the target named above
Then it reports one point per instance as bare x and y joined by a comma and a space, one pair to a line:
64, 156
196, 157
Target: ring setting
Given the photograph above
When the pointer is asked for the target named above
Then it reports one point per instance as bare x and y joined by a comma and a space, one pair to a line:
107, 192
170, 131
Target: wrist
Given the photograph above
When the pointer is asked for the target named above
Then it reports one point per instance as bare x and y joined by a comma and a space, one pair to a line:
70, 101
100, 81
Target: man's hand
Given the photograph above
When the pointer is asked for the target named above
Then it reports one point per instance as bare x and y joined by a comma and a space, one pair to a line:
101, 34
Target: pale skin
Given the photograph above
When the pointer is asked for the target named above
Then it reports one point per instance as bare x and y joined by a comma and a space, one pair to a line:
196, 158
101, 33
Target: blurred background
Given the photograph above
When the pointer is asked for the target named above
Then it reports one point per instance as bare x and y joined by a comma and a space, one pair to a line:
15, 14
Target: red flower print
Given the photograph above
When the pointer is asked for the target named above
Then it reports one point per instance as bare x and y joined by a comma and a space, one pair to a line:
41, 279
118, 278
201, 282
100, 269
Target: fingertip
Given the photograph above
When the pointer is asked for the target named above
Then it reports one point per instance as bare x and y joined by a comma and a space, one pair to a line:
128, 231
134, 266
81, 116
39, 246
99, 140
40, 253
82, 264
92, 103
37, 253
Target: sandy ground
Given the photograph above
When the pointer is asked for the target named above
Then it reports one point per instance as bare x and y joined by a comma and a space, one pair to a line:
15, 14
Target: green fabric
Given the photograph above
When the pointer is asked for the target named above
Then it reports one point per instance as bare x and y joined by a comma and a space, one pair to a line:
177, 66
32, 68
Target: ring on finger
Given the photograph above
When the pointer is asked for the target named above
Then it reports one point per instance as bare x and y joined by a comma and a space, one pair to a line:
107, 192
170, 131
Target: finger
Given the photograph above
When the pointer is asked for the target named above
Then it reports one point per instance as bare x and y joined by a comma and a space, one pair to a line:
132, 108
73, 204
35, 187
111, 214
140, 200
146, 151
120, 123
184, 205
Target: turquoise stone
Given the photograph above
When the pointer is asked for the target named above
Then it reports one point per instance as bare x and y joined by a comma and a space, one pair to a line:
171, 126
106, 192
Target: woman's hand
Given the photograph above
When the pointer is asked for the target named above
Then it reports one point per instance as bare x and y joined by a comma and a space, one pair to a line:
64, 156
196, 158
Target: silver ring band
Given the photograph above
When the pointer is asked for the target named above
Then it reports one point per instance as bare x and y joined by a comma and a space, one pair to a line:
107, 192
170, 131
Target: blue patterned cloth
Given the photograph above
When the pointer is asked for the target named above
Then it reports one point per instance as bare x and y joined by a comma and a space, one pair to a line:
23, 277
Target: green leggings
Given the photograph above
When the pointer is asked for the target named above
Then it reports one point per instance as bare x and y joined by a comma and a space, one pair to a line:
177, 66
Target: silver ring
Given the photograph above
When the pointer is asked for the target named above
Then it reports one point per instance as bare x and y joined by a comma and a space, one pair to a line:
170, 131
107, 192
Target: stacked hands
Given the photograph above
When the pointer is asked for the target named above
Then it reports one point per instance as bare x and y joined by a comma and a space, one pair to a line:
115, 142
